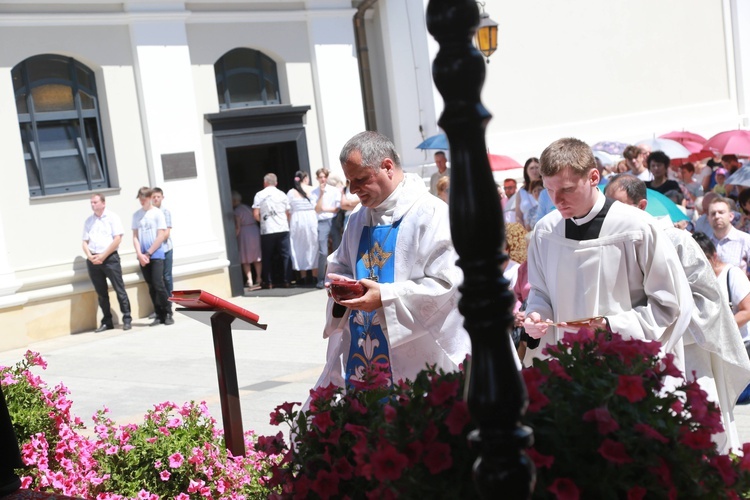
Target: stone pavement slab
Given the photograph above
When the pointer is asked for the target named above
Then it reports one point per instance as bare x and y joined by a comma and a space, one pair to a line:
130, 372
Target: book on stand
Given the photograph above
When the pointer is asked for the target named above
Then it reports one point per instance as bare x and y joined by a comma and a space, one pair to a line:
202, 300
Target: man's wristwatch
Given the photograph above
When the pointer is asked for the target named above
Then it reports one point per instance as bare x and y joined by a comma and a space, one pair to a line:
148, 254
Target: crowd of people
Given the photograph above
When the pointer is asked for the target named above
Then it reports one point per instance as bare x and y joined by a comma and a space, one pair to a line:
285, 239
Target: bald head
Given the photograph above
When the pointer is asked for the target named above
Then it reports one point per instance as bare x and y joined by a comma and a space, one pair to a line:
627, 189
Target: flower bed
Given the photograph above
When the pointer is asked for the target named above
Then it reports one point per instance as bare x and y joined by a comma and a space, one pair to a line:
604, 427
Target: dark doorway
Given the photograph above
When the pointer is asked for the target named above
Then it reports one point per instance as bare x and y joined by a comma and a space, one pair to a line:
247, 166
249, 143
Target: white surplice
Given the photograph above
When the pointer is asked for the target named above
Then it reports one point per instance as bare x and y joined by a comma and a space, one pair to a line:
630, 274
419, 315
714, 351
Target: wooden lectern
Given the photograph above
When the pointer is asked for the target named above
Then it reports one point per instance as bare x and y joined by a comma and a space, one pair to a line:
220, 314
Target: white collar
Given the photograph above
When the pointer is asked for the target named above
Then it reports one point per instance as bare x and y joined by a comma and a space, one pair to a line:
598, 205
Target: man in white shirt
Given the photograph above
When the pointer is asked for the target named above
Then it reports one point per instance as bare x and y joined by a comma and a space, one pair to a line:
636, 159
732, 245
441, 162
327, 201
156, 200
271, 207
102, 235
149, 233
588, 244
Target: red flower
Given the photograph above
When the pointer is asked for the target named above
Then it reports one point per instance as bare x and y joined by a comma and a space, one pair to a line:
745, 460
326, 483
540, 460
702, 411
564, 489
663, 473
437, 457
333, 438
650, 432
557, 369
324, 394
323, 421
533, 378
699, 439
637, 493
583, 336
669, 367
387, 463
344, 468
270, 444
614, 452
458, 418
604, 421
300, 486
442, 391
414, 452
389, 412
356, 406
631, 387
430, 433
358, 430
723, 464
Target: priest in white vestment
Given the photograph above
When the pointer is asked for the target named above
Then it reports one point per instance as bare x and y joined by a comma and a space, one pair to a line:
715, 355
597, 258
398, 245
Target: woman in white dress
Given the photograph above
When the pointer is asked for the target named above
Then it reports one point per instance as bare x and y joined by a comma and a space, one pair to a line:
526, 205
303, 229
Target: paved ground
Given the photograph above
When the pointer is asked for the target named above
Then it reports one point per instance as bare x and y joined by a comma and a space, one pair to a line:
129, 372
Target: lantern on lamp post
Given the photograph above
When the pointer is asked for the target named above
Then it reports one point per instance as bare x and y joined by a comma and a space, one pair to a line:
486, 36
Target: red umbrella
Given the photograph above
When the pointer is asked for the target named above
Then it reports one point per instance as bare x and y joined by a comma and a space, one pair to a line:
500, 162
731, 142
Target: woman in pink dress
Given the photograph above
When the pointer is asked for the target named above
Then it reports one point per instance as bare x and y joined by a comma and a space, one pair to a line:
248, 237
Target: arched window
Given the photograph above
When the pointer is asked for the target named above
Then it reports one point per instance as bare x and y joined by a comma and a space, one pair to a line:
246, 77
58, 113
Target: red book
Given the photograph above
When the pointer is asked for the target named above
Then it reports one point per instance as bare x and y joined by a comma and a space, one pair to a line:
199, 299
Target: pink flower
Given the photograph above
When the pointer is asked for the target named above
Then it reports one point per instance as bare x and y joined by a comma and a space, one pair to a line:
631, 388
175, 460
442, 391
164, 475
614, 452
564, 489
699, 439
723, 464
389, 412
604, 421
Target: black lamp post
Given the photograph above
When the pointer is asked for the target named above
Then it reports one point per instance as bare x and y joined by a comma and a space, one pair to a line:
495, 392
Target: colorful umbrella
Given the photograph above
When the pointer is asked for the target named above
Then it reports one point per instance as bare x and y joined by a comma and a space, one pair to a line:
659, 206
731, 142
740, 178
438, 141
500, 162
611, 147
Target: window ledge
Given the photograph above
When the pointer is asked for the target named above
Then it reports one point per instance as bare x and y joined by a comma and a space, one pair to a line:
77, 195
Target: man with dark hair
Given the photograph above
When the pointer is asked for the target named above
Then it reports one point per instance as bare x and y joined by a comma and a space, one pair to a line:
327, 202
714, 352
398, 247
156, 198
732, 245
601, 261
149, 232
102, 235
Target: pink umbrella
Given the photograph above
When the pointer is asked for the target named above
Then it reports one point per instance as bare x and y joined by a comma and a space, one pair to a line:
684, 135
501, 162
731, 142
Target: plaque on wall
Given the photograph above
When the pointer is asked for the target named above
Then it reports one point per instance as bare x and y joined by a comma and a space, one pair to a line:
179, 166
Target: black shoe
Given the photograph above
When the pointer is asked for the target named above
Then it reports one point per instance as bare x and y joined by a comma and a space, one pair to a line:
104, 328
127, 325
169, 320
156, 322
266, 286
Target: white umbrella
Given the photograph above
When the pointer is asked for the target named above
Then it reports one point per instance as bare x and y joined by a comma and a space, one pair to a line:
606, 158
740, 178
671, 148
